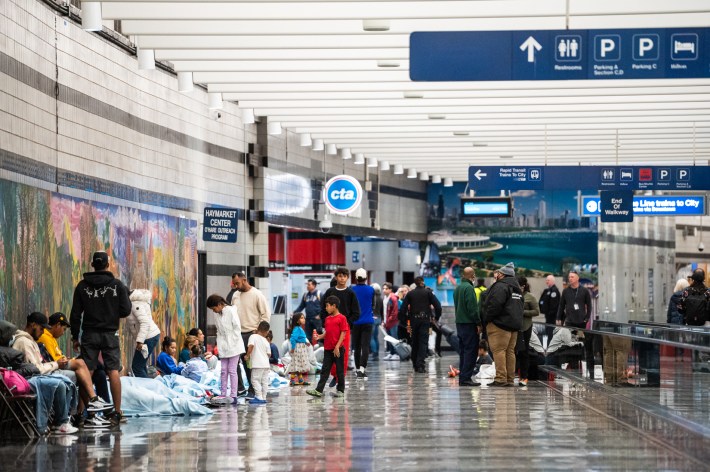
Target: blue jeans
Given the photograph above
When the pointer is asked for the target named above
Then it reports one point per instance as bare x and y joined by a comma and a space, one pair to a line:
468, 341
392, 332
54, 392
138, 366
375, 341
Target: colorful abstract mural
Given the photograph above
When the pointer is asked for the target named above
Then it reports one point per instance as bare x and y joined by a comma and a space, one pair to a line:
46, 243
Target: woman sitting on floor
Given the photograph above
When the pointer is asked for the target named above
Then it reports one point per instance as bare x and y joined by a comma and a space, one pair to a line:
166, 360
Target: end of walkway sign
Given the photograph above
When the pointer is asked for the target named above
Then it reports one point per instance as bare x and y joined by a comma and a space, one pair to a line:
617, 206
220, 225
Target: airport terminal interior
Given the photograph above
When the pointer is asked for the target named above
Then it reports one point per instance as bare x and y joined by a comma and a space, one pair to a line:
415, 142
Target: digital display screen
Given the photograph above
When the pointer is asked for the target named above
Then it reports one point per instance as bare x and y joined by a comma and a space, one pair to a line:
501, 207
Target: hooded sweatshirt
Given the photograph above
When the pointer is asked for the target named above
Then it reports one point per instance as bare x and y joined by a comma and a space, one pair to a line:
26, 344
496, 311
100, 301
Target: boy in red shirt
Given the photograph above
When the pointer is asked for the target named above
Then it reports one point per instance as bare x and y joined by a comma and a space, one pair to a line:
335, 328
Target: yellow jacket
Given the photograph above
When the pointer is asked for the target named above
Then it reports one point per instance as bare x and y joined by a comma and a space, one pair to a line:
50, 344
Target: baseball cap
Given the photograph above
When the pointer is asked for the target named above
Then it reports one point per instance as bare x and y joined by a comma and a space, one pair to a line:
59, 318
99, 259
37, 317
361, 274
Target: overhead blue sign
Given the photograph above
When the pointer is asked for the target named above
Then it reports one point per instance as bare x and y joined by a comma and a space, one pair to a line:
689, 205
616, 206
342, 194
584, 177
643, 53
220, 225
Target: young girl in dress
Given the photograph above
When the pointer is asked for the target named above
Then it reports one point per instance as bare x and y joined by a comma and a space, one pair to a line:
300, 364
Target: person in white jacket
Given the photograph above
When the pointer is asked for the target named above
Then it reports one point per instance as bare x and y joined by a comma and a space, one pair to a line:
229, 342
140, 324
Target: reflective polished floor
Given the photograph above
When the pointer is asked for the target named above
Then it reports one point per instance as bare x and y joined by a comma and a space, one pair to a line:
394, 420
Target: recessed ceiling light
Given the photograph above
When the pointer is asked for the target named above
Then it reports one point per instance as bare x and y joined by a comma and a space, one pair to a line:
388, 63
376, 25
413, 95
506, 157
481, 145
461, 133
437, 116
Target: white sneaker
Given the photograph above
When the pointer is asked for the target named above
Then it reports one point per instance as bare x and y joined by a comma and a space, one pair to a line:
388, 357
98, 405
97, 422
66, 428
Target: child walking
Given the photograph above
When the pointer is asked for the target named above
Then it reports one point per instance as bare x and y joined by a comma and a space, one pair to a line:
229, 342
335, 329
300, 364
258, 354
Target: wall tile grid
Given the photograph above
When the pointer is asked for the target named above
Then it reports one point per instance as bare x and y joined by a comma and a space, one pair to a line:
117, 125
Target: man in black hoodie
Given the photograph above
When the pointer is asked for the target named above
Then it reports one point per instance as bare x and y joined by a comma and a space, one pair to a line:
504, 319
100, 301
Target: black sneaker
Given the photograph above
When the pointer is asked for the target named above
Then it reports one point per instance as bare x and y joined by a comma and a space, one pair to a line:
333, 382
116, 418
242, 393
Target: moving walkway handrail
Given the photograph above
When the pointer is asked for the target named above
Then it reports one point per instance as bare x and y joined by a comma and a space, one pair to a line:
685, 337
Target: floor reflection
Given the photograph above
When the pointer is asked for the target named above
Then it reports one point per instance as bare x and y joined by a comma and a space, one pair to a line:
395, 420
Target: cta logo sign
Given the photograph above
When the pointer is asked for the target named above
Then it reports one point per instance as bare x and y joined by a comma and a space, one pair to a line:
342, 194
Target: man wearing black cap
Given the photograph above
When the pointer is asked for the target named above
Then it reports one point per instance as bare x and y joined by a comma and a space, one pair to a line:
100, 301
695, 301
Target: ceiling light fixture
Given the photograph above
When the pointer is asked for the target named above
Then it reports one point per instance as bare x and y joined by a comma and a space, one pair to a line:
398, 169
436, 116
248, 117
331, 150
412, 174
305, 140
387, 63
436, 179
424, 176
461, 133
413, 95
376, 25
345, 153
273, 128
448, 182
371, 162
359, 158
214, 100
185, 82
146, 59
384, 165
481, 145
506, 157
91, 16
318, 145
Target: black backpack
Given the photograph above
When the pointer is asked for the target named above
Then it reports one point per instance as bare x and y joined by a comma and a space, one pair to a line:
696, 306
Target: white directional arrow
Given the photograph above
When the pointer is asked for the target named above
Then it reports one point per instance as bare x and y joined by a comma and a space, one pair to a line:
531, 45
479, 174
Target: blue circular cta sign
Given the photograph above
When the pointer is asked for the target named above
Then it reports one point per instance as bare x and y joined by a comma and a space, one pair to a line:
342, 194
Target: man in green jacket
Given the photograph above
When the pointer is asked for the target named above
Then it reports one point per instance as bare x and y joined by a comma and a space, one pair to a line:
468, 325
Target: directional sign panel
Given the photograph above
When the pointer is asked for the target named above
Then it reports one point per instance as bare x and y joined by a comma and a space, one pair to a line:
653, 205
584, 177
560, 54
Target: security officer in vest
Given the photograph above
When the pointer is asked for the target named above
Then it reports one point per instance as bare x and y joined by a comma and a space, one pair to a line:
416, 309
